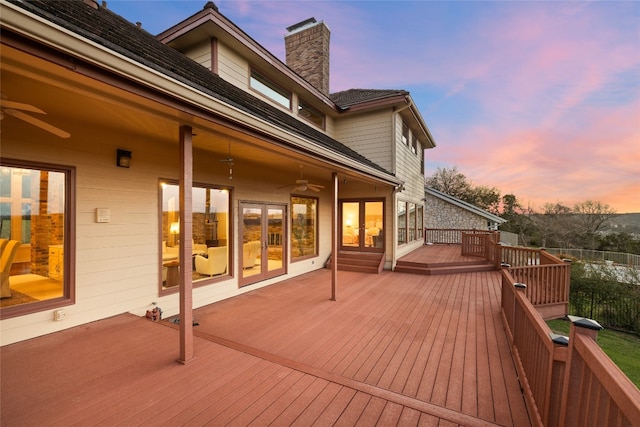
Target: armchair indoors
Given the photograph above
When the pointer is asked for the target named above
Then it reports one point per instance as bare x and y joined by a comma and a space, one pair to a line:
6, 260
215, 264
250, 252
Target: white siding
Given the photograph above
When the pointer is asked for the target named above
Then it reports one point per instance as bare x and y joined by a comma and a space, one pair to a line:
369, 134
201, 53
117, 263
232, 67
408, 167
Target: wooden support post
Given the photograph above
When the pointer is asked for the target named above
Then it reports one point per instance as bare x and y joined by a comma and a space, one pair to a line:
186, 235
334, 235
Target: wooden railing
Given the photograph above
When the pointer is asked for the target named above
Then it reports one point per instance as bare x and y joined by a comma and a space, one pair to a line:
450, 235
566, 381
546, 276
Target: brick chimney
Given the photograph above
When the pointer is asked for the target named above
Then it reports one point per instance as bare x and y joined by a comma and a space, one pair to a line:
307, 48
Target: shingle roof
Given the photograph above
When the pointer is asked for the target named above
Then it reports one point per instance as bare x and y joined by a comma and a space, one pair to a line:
464, 205
110, 30
350, 97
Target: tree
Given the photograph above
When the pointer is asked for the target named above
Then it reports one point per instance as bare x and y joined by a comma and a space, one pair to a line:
487, 198
591, 216
449, 181
518, 218
454, 183
555, 224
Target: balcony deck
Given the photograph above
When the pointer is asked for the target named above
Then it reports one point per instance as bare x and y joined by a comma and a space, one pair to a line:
394, 349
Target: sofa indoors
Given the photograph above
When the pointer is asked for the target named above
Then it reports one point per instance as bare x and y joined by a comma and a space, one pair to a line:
170, 253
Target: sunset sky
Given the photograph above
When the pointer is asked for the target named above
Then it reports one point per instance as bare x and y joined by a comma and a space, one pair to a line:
538, 99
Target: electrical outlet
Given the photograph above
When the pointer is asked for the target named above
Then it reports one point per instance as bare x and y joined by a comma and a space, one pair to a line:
59, 315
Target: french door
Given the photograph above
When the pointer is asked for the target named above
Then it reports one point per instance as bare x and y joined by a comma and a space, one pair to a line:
362, 225
262, 249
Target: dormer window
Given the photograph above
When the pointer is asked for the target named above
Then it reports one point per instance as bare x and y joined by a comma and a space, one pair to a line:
269, 89
311, 114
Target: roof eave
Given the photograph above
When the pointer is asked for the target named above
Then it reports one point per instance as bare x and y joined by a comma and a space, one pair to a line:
50, 34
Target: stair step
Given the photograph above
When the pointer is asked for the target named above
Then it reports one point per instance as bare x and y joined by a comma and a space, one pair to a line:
358, 261
445, 268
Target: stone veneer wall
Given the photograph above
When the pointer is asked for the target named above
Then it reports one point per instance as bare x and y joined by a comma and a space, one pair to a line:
440, 214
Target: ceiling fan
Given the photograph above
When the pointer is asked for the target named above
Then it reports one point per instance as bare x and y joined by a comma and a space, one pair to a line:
303, 184
229, 161
17, 110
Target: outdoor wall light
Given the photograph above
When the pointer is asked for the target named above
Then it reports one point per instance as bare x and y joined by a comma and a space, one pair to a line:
123, 158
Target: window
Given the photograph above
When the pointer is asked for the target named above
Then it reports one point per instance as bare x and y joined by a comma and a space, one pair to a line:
36, 219
420, 223
310, 114
304, 227
405, 134
270, 89
412, 222
402, 222
414, 145
211, 231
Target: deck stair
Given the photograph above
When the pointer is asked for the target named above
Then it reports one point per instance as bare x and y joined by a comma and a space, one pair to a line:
363, 262
435, 268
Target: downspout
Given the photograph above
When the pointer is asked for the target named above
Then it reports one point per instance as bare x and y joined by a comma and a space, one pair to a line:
394, 224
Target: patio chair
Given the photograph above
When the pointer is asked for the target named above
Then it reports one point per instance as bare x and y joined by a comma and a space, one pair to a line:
6, 259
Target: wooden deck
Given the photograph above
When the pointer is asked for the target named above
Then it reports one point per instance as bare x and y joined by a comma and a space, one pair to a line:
394, 349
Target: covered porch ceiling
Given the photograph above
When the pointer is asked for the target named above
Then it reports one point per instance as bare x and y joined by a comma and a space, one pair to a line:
81, 101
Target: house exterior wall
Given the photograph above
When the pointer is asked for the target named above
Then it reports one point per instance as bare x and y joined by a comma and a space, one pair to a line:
117, 265
201, 53
116, 269
232, 67
440, 214
370, 134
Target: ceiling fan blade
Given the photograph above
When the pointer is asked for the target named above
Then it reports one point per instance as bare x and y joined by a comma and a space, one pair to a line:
20, 106
315, 188
36, 122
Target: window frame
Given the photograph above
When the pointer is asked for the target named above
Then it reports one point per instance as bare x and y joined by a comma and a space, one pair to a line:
163, 290
413, 229
316, 227
258, 77
69, 286
405, 134
314, 112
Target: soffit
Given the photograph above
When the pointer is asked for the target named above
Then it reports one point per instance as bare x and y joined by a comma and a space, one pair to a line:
84, 107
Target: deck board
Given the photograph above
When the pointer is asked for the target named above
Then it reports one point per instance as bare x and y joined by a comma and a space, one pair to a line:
395, 348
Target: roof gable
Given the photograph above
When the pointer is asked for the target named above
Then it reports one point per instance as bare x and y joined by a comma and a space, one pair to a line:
464, 205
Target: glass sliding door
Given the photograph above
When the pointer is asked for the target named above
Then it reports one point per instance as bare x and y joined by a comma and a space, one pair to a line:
262, 250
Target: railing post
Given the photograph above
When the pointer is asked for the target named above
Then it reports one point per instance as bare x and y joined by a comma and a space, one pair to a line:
583, 326
557, 377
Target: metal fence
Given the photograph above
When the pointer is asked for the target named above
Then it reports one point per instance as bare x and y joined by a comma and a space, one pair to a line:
605, 257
